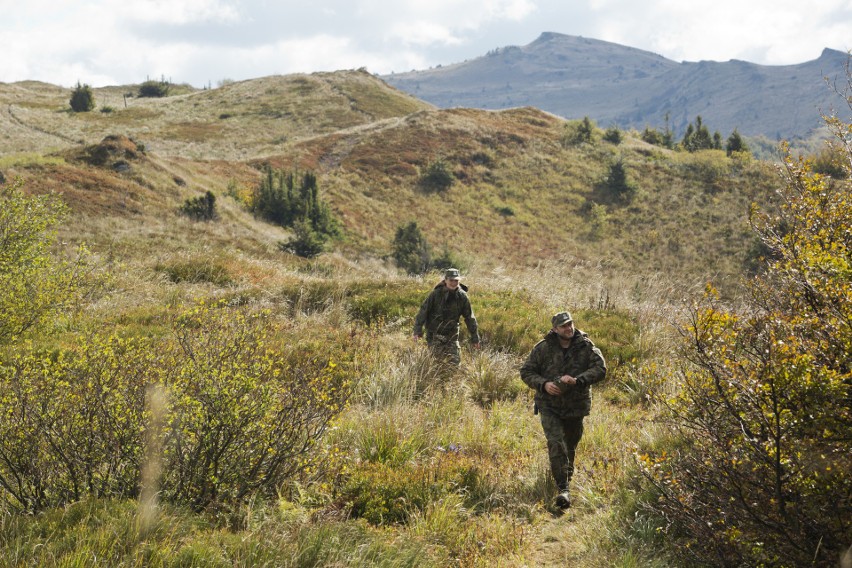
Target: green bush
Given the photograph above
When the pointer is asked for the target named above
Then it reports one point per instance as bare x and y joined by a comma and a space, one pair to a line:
240, 416
578, 132
437, 176
201, 208
35, 285
657, 137
385, 494
82, 98
619, 184
492, 377
613, 135
306, 242
154, 89
290, 200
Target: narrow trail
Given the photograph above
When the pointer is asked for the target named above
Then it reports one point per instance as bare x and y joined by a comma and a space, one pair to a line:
562, 540
20, 123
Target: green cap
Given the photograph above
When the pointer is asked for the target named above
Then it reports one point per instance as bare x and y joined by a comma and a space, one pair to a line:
561, 319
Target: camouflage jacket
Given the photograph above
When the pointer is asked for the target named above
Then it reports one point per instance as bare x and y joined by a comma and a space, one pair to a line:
440, 313
548, 361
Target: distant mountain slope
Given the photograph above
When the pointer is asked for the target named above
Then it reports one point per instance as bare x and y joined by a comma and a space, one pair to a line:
575, 77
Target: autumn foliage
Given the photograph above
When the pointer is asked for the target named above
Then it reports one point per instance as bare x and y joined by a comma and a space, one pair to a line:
757, 470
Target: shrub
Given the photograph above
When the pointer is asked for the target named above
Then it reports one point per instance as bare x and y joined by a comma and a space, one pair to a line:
618, 183
437, 176
707, 166
196, 270
35, 286
613, 135
306, 242
389, 494
154, 89
201, 208
756, 473
241, 416
82, 98
830, 161
578, 132
489, 378
735, 143
658, 138
447, 259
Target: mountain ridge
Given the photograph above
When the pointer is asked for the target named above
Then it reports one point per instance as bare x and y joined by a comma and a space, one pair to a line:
574, 77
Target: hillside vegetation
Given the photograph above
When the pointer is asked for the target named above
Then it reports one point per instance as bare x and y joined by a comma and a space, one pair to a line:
521, 193
217, 400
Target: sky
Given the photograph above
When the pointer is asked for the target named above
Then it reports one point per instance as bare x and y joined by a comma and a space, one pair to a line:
206, 43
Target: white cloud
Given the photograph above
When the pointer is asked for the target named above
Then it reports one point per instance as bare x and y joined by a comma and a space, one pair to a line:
175, 12
123, 41
422, 34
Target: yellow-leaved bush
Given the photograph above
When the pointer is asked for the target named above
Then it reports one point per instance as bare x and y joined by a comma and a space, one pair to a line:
246, 399
36, 286
757, 470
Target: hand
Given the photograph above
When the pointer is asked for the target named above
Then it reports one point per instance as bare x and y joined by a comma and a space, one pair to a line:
552, 388
568, 380
476, 345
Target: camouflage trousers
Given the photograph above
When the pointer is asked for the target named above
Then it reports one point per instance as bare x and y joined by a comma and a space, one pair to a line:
563, 435
446, 349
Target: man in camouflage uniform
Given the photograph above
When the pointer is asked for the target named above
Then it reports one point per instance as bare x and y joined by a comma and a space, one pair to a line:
561, 368
440, 313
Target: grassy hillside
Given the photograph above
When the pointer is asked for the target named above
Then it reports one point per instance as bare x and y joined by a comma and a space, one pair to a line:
521, 194
418, 469
237, 121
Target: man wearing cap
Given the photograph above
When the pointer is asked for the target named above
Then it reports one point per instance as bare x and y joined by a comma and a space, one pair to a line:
561, 368
440, 313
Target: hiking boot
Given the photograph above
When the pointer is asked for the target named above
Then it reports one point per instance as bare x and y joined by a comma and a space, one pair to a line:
563, 501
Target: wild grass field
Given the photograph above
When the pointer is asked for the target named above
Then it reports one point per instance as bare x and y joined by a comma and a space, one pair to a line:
296, 422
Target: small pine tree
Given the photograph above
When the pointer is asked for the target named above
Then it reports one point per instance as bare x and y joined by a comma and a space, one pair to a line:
697, 137
410, 250
286, 199
586, 129
306, 241
82, 98
735, 143
618, 182
201, 208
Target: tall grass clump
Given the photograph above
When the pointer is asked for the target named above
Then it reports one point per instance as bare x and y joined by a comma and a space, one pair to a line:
196, 269
491, 377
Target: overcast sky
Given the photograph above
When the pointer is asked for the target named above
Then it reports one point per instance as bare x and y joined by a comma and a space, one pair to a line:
203, 42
